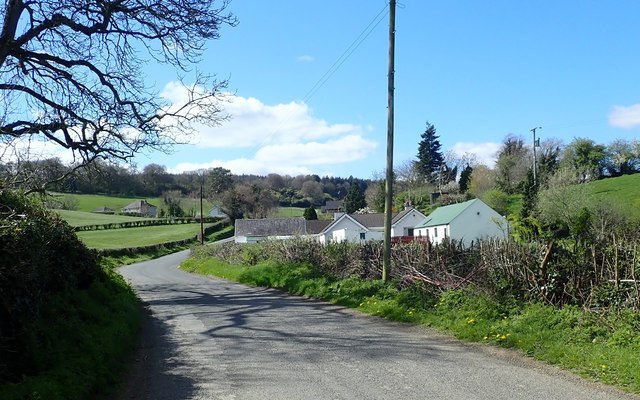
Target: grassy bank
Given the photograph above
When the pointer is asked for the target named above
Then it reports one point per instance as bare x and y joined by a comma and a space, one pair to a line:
75, 349
602, 347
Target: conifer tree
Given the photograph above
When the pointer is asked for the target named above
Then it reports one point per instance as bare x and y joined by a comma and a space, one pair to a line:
430, 157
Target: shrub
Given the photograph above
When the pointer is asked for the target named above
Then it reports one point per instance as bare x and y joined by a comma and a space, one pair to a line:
41, 256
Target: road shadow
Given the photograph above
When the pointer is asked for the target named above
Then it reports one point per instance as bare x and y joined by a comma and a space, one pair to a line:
153, 364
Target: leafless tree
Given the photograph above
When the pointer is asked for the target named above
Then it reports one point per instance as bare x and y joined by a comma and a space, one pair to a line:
72, 73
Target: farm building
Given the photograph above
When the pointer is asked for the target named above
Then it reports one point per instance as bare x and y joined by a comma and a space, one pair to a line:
256, 230
140, 208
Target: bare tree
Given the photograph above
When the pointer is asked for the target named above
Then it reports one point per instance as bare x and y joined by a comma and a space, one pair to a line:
72, 73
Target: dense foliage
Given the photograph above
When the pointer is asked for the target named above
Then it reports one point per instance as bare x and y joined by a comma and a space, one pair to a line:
40, 257
589, 275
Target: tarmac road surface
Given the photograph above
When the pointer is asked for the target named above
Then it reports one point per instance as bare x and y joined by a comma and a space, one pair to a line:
206, 338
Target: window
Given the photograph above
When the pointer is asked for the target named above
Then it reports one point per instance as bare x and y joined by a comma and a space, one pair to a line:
435, 232
363, 235
410, 232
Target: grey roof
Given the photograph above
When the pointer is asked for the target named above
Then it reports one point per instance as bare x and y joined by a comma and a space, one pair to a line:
369, 220
333, 205
270, 227
137, 204
317, 225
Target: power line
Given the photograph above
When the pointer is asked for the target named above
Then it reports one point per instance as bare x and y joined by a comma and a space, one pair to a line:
347, 53
364, 34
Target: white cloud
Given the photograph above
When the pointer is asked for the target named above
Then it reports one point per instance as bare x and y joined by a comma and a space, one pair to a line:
282, 138
305, 58
485, 153
625, 117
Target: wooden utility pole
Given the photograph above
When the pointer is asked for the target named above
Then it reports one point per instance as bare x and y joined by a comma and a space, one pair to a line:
388, 199
535, 159
201, 214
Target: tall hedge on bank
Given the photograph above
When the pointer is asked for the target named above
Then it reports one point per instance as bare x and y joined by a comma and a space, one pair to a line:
40, 256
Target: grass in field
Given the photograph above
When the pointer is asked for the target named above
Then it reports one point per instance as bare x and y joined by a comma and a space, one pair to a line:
623, 190
137, 237
289, 212
600, 347
89, 202
80, 218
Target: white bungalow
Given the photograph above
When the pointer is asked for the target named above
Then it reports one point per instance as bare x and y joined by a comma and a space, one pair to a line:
468, 221
364, 227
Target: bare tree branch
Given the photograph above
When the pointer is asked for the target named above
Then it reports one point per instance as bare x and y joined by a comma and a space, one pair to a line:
72, 73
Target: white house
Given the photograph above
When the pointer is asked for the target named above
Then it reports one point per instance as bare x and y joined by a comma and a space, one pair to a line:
140, 208
468, 221
364, 227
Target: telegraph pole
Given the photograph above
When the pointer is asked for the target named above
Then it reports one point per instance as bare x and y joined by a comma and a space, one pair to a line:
535, 159
388, 199
201, 214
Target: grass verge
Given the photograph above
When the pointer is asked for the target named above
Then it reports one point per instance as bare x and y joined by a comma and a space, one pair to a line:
75, 349
602, 347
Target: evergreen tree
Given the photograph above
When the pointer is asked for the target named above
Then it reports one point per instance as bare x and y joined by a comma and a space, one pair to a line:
465, 178
354, 200
430, 158
310, 213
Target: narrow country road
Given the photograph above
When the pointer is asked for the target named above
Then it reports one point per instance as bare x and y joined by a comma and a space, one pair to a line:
211, 339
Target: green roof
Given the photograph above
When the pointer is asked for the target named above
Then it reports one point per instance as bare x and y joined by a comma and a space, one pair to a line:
445, 214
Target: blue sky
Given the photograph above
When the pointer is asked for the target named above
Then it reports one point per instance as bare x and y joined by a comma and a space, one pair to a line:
476, 70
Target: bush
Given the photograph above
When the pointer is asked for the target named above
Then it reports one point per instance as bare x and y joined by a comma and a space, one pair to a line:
41, 256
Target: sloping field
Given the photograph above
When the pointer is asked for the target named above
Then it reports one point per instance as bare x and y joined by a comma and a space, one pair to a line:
623, 190
137, 237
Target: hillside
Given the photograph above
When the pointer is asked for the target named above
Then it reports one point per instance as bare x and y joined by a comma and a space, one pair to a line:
623, 191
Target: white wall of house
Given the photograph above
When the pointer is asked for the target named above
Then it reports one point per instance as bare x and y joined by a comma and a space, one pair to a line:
435, 234
248, 239
478, 221
335, 232
356, 235
406, 224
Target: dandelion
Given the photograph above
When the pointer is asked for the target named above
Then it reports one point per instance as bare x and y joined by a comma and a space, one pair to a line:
471, 321
485, 338
503, 337
604, 367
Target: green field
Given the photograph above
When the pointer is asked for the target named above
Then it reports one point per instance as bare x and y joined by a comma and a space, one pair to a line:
80, 218
89, 202
138, 237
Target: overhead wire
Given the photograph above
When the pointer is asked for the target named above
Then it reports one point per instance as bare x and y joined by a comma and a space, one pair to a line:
364, 34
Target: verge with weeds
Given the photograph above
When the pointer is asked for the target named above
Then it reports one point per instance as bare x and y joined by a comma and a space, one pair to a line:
601, 344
